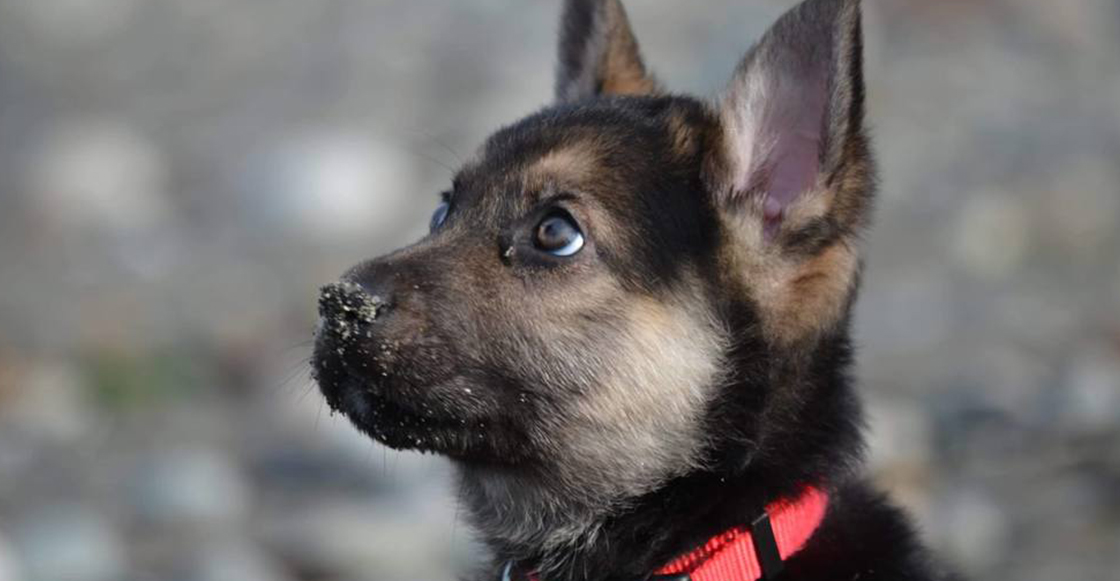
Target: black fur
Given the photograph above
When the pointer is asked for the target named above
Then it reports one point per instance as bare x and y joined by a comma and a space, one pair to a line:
476, 344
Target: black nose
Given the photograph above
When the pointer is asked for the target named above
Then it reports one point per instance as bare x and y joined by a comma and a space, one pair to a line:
349, 304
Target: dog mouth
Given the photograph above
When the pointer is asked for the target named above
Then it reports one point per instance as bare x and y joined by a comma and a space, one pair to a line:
401, 427
402, 416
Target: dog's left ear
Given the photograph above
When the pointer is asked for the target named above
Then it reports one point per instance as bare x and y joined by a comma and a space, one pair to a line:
598, 53
791, 169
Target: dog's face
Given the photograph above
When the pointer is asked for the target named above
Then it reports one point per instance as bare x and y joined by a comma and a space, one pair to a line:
611, 272
558, 316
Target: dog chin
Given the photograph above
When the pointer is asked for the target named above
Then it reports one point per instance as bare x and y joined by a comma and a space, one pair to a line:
403, 427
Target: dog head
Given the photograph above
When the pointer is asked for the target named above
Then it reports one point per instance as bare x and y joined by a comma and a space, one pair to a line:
622, 288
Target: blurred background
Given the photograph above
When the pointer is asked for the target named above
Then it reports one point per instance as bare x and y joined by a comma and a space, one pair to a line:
177, 178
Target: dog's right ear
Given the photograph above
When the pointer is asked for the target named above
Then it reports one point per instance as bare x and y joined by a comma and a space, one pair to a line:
792, 171
598, 53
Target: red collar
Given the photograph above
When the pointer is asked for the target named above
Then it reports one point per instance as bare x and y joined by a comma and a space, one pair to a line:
750, 553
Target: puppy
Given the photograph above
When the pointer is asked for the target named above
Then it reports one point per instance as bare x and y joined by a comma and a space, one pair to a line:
629, 326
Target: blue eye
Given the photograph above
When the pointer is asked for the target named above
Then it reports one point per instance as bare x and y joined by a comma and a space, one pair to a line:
559, 235
439, 216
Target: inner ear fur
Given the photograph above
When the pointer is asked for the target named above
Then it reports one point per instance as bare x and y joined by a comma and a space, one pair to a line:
598, 54
792, 171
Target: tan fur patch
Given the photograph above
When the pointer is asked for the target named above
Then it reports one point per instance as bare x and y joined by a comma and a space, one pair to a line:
798, 296
809, 206
685, 140
623, 79
567, 164
650, 403
812, 294
622, 70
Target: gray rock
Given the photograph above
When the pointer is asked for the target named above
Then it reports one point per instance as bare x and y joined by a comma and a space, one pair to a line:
49, 403
972, 527
74, 24
183, 176
900, 433
191, 487
10, 567
1092, 389
1082, 208
70, 543
372, 541
98, 175
992, 234
332, 186
233, 560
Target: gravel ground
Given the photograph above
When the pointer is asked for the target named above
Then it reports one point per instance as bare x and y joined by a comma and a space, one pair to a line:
179, 176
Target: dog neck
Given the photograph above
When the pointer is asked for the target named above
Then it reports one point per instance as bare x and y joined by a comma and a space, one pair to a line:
816, 444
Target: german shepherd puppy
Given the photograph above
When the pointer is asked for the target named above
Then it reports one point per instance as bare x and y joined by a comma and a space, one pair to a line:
629, 326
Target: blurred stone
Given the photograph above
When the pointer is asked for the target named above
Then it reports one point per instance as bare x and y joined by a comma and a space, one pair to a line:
1082, 208
334, 186
72, 23
233, 560
1115, 97
1010, 379
900, 433
1049, 570
972, 527
970, 432
101, 175
900, 440
1092, 389
991, 235
1084, 27
353, 540
49, 402
182, 172
1044, 319
908, 311
70, 543
1115, 306
9, 565
192, 487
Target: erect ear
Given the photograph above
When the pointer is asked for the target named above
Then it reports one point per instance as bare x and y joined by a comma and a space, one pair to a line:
791, 168
598, 53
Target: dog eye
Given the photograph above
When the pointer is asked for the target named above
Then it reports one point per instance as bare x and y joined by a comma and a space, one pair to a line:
558, 235
439, 216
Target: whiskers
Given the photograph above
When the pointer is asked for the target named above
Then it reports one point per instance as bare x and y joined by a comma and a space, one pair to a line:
294, 363
430, 138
